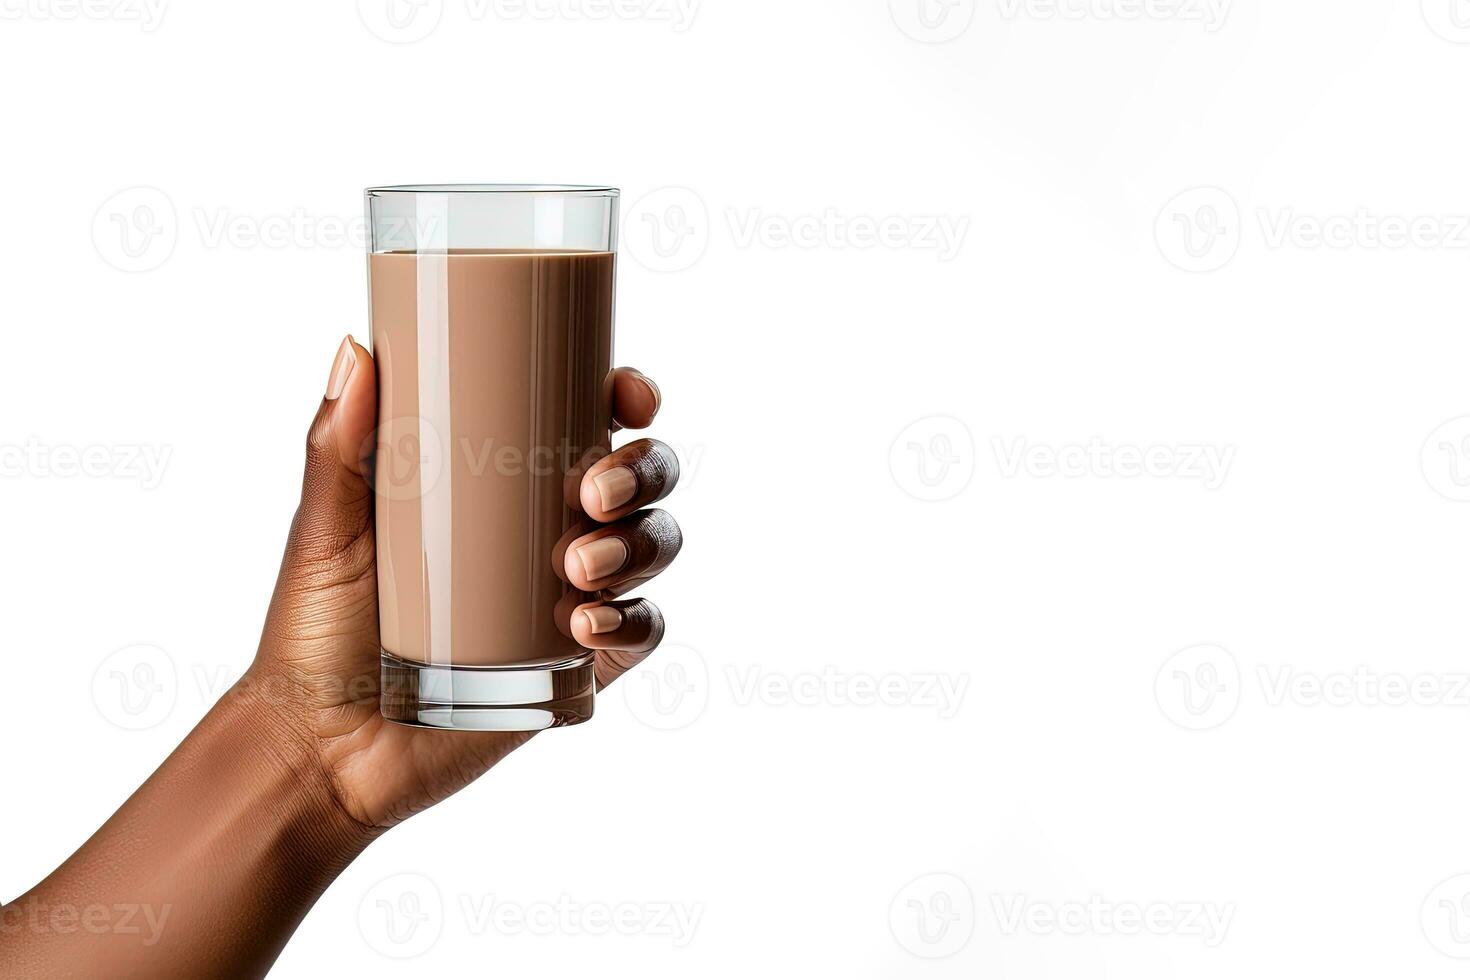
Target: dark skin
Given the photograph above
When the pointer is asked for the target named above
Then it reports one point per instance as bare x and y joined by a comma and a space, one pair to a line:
294, 772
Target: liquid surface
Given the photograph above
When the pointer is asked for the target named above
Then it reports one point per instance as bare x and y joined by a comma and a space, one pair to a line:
493, 382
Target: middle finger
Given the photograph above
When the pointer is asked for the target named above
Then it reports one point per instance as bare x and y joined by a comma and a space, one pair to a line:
637, 547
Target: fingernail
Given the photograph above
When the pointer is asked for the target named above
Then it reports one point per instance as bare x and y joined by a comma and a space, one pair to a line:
616, 487
341, 369
602, 557
658, 398
602, 619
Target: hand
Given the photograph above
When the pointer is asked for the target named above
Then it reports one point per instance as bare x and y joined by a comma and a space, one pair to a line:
317, 668
294, 771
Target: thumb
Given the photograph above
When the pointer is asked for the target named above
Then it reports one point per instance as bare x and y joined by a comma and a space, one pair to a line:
336, 497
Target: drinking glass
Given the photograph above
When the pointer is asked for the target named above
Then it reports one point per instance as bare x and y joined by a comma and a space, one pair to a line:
492, 320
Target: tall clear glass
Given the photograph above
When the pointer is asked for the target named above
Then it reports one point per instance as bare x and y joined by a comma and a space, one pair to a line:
492, 323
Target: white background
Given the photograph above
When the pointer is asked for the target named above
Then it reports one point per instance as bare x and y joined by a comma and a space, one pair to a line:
1186, 233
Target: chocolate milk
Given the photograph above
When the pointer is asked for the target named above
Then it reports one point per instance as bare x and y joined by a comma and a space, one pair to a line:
493, 380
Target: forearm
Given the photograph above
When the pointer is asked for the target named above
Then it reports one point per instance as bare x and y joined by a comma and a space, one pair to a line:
205, 872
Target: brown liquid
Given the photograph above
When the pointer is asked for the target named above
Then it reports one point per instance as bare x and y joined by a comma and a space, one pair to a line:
493, 380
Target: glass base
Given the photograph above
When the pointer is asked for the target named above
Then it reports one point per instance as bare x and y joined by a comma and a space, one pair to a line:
488, 699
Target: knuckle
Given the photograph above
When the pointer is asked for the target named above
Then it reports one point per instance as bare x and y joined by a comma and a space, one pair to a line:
319, 436
654, 620
660, 536
655, 465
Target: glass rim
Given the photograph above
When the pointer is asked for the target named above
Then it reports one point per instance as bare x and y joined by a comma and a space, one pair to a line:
569, 190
